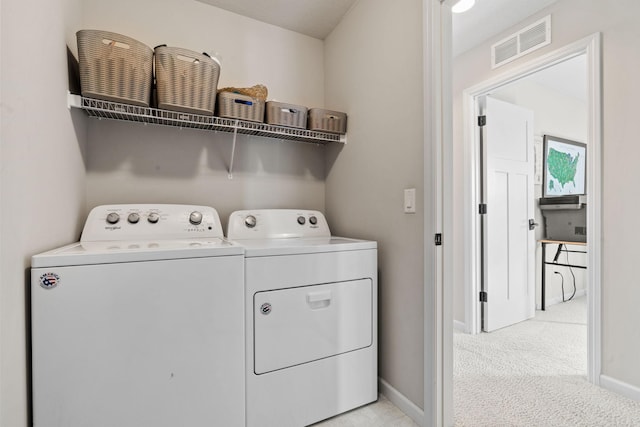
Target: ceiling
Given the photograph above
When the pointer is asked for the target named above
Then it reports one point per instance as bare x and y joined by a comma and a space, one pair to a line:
568, 78
315, 18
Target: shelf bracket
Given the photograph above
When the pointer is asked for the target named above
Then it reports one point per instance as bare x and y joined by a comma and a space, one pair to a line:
233, 150
73, 101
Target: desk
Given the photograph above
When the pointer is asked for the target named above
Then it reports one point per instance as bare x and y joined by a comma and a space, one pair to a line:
560, 243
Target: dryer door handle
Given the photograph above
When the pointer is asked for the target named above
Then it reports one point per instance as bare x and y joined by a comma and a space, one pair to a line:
317, 300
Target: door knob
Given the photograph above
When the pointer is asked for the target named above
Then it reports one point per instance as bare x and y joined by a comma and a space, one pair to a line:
532, 224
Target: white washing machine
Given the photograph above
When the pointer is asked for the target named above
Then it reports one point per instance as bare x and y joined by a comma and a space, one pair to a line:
141, 323
311, 316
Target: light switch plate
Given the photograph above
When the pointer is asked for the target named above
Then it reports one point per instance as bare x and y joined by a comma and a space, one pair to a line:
410, 200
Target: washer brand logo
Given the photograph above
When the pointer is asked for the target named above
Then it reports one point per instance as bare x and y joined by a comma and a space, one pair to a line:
49, 280
115, 227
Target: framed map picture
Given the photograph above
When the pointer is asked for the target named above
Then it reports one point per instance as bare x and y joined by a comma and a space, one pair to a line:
565, 167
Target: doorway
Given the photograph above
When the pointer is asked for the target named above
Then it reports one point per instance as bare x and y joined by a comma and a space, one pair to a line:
587, 49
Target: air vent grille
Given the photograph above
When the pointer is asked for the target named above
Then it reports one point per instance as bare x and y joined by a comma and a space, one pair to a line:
506, 50
525, 41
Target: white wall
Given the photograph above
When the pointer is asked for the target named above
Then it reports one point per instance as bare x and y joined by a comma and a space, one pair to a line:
130, 163
618, 22
42, 171
374, 73
288, 63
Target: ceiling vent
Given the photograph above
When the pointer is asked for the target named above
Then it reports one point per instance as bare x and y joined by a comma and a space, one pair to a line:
525, 41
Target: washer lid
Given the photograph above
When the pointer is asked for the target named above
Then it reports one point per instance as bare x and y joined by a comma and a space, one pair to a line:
86, 253
294, 246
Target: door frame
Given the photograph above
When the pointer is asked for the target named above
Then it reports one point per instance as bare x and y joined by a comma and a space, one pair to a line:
591, 47
438, 202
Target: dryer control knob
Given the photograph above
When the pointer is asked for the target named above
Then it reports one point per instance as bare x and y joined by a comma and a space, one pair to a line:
113, 218
301, 220
250, 221
133, 218
195, 218
313, 220
153, 217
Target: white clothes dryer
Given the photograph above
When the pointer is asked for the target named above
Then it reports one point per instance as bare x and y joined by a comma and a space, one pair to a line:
141, 323
311, 317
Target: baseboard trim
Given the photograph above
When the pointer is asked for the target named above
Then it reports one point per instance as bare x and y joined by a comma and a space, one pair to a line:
401, 401
557, 300
459, 326
617, 386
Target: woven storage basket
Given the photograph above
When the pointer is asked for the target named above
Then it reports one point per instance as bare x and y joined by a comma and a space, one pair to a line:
114, 67
290, 115
327, 121
237, 106
185, 80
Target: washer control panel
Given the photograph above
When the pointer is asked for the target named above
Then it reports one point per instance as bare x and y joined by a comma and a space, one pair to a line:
147, 221
277, 224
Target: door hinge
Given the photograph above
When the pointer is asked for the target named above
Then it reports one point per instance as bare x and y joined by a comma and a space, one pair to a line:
482, 120
438, 239
482, 208
483, 296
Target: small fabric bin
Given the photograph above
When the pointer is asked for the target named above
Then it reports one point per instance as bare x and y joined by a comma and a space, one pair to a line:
114, 67
186, 81
327, 121
282, 114
237, 106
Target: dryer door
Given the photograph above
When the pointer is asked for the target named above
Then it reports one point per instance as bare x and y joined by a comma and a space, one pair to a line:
299, 325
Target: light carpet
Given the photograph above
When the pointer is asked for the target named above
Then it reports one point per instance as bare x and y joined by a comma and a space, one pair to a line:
534, 374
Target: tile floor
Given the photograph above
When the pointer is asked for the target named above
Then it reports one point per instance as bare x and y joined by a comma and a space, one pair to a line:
382, 413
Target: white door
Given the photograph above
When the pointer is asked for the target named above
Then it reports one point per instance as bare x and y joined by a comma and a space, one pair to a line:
508, 242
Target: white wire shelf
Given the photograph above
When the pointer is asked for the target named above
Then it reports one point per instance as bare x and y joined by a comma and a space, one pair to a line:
132, 113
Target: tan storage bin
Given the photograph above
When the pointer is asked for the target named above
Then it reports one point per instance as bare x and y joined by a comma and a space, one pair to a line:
237, 106
281, 114
327, 121
114, 67
186, 81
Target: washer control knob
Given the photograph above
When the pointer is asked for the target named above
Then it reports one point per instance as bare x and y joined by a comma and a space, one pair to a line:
301, 220
250, 221
153, 217
313, 220
195, 218
113, 218
133, 218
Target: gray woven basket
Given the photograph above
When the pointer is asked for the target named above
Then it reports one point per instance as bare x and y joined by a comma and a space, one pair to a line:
114, 67
237, 106
185, 80
279, 113
327, 121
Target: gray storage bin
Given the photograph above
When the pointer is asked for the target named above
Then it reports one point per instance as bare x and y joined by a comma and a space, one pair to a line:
327, 121
279, 113
186, 81
114, 67
237, 106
